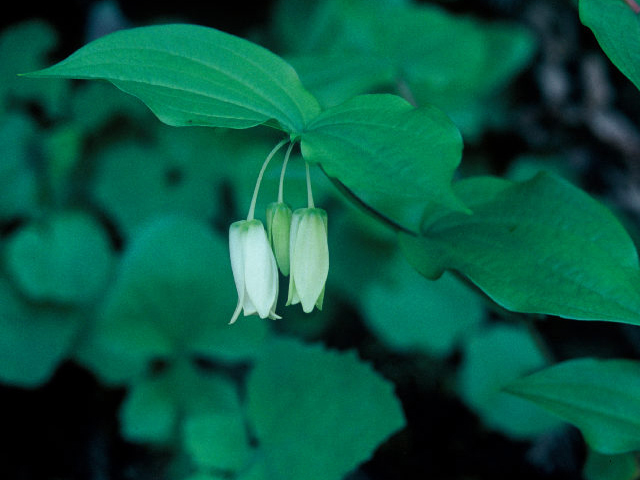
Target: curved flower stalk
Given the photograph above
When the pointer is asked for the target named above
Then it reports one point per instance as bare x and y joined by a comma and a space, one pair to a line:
299, 241
254, 269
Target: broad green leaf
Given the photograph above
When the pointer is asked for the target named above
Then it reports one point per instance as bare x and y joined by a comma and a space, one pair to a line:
611, 467
318, 414
410, 313
173, 297
380, 143
492, 358
194, 75
540, 246
600, 397
64, 258
34, 339
617, 28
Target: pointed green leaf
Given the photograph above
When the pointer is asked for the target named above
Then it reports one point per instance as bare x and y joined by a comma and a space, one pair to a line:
194, 75
600, 397
318, 414
617, 28
540, 246
380, 143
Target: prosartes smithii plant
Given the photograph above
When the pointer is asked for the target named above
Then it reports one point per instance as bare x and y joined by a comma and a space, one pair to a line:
537, 246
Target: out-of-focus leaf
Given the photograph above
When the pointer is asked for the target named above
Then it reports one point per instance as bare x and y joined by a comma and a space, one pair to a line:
600, 397
317, 414
217, 440
494, 357
611, 467
616, 27
194, 75
18, 180
410, 313
410, 46
34, 339
149, 413
335, 77
62, 148
380, 143
135, 182
24, 48
173, 296
175, 404
540, 246
64, 258
94, 104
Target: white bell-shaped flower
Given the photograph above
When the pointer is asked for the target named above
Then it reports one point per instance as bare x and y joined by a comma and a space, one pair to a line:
308, 257
254, 269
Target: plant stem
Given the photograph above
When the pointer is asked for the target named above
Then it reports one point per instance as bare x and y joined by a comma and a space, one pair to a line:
309, 193
252, 207
284, 168
633, 5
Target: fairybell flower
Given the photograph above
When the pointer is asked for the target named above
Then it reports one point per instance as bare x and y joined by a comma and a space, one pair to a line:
309, 258
278, 228
254, 269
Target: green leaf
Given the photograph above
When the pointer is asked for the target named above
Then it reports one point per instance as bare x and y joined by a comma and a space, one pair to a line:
18, 181
174, 404
336, 77
494, 357
600, 397
64, 258
380, 143
540, 246
410, 313
617, 28
318, 414
217, 440
180, 173
611, 467
173, 297
34, 339
24, 47
194, 75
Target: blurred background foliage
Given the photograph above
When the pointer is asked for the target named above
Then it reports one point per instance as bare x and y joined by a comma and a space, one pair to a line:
116, 360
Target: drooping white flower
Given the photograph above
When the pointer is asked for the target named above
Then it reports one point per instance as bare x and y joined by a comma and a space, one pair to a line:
309, 258
254, 269
278, 231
